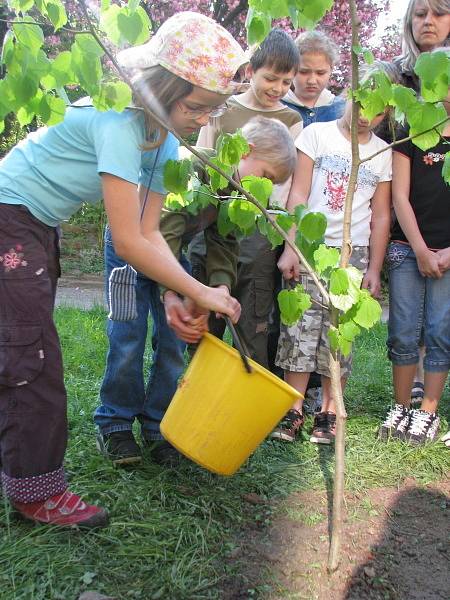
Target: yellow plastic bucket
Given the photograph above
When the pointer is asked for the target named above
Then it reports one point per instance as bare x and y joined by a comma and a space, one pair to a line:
220, 413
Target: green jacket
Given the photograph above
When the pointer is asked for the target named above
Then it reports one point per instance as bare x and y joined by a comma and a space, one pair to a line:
179, 227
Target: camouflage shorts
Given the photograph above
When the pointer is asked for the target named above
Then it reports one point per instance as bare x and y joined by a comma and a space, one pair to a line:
304, 346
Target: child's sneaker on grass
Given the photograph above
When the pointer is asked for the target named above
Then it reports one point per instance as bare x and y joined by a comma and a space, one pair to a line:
324, 428
290, 427
120, 447
65, 510
396, 423
423, 427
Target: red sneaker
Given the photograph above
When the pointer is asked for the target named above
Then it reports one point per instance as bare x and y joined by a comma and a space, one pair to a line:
65, 510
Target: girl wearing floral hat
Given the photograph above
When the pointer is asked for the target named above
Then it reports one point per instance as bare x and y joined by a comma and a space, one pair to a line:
185, 73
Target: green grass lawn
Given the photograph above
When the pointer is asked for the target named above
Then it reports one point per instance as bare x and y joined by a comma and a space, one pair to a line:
172, 532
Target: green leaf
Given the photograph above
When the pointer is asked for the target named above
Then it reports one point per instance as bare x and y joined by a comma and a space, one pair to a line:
7, 48
21, 5
242, 213
285, 222
343, 297
86, 64
326, 258
112, 95
134, 26
423, 116
368, 310
25, 115
259, 187
224, 225
105, 4
29, 34
2, 126
258, 26
446, 168
368, 57
217, 182
269, 232
403, 97
339, 281
349, 330
87, 44
231, 147
60, 72
177, 174
299, 212
372, 104
313, 226
433, 70
23, 88
57, 13
133, 4
52, 109
109, 24
293, 303
357, 49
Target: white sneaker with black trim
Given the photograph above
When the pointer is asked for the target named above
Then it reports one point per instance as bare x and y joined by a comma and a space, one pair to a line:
423, 427
396, 423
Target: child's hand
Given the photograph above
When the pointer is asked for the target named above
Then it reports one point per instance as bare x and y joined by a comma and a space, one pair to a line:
219, 300
372, 282
428, 264
443, 259
289, 264
180, 319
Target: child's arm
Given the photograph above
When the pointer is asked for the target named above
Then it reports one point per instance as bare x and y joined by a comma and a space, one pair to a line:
427, 261
140, 243
288, 263
379, 236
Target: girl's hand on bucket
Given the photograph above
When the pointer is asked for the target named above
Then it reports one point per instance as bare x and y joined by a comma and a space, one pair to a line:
186, 326
219, 300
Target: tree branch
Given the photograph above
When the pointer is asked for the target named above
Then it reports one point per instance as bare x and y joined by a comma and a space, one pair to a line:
406, 139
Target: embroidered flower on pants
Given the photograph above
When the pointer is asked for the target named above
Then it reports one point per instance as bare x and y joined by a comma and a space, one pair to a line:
13, 259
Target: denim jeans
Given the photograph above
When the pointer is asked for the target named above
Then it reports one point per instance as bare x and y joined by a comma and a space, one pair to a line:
417, 304
123, 395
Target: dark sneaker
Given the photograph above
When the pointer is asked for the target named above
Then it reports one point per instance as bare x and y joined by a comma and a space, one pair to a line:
324, 428
66, 510
120, 447
290, 427
396, 423
423, 427
417, 394
163, 453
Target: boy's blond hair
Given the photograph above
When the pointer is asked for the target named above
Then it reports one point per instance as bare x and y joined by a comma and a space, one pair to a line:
273, 143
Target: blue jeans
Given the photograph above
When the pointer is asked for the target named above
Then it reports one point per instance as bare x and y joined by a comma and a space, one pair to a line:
123, 395
417, 304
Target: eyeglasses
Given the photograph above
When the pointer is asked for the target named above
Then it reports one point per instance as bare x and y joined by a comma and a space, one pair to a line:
195, 113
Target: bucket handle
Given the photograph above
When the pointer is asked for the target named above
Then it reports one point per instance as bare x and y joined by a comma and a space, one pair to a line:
239, 343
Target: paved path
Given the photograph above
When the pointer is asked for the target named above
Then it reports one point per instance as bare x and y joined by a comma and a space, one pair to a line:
81, 292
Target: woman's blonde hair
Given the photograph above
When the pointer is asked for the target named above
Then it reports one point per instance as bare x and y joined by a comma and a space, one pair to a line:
410, 48
160, 89
272, 143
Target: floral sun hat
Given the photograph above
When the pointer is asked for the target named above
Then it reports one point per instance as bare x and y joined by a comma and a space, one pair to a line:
195, 48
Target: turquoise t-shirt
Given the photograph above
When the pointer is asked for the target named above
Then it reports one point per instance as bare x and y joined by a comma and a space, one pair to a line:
57, 168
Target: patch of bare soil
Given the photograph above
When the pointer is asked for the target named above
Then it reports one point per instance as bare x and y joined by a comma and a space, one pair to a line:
395, 547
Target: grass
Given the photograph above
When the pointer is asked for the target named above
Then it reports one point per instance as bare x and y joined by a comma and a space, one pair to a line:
174, 533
